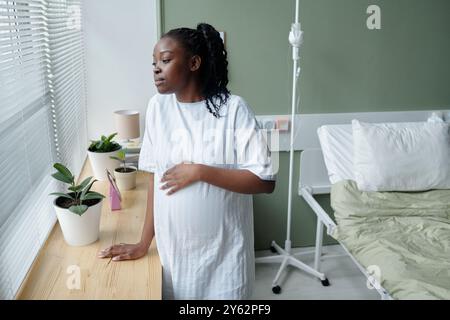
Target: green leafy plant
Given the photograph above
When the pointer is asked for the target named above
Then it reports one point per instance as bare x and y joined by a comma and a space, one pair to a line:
80, 193
104, 144
122, 158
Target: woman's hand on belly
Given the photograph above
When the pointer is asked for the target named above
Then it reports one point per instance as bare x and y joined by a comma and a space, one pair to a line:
180, 176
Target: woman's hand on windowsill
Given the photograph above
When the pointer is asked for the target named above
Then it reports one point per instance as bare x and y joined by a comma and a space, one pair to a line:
124, 251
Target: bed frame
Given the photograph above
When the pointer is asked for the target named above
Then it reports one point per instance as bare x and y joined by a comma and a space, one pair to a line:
314, 180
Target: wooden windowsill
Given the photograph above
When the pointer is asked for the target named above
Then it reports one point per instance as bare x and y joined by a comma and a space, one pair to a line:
52, 275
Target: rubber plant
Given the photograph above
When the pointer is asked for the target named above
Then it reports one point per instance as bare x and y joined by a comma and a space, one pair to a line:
79, 193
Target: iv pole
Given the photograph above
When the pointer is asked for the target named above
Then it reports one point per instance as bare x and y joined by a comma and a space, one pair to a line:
284, 255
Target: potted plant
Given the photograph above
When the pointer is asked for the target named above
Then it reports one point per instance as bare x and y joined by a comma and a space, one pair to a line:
78, 211
100, 152
125, 175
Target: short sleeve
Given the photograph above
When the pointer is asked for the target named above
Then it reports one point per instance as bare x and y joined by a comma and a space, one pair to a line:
251, 147
147, 161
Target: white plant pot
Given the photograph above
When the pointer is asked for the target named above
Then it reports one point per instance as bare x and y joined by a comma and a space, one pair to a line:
100, 161
79, 230
126, 180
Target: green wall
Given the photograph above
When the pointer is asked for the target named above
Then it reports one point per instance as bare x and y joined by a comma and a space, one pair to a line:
345, 68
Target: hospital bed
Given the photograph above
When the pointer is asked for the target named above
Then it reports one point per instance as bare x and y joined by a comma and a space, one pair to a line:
398, 274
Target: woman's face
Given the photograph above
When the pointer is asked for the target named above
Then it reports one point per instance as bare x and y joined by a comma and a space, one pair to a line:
171, 66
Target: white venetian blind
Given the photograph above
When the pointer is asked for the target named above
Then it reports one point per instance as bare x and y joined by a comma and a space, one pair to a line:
67, 81
37, 102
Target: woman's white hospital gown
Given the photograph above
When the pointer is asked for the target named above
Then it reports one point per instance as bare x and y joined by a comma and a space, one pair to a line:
204, 234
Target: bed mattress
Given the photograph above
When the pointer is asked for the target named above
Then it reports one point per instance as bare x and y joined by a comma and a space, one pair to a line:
404, 235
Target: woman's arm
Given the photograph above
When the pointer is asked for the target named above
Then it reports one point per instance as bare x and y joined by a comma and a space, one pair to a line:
242, 181
148, 231
125, 251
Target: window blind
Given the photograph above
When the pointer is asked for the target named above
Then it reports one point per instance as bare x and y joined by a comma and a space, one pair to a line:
67, 81
42, 120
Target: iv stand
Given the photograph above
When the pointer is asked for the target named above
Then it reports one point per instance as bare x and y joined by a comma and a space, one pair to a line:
285, 257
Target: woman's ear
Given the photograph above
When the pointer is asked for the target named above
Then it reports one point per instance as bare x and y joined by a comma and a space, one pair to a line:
195, 63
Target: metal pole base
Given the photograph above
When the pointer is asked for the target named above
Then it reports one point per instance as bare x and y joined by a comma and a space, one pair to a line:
286, 258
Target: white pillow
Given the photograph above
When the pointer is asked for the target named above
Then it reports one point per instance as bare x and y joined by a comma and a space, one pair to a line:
336, 142
412, 156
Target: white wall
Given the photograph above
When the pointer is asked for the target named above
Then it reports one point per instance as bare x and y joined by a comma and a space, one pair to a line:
119, 39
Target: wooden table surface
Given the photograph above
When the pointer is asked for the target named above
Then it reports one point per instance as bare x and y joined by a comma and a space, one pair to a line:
54, 272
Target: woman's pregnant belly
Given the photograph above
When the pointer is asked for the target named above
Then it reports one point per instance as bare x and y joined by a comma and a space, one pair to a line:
198, 211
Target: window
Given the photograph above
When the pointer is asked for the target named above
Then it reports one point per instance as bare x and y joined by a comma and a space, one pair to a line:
42, 120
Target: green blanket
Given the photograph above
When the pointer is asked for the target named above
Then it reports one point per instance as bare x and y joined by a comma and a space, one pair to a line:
404, 234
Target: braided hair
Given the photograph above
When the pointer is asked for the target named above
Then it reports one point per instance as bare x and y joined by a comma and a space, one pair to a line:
205, 41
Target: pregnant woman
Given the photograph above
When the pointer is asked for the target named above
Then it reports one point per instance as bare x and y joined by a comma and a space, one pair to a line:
206, 156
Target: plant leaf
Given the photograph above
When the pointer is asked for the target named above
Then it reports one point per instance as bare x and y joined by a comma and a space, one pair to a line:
93, 195
94, 192
92, 146
86, 189
85, 182
111, 137
59, 176
64, 171
121, 154
60, 194
79, 210
115, 158
75, 188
